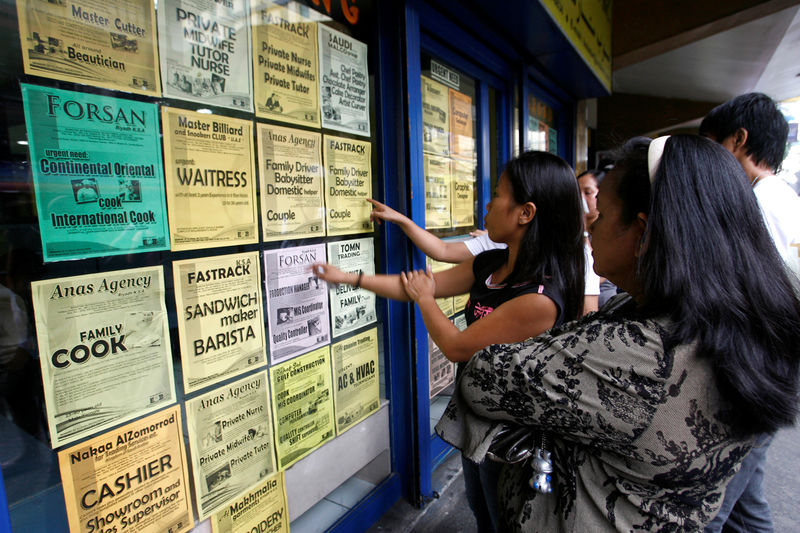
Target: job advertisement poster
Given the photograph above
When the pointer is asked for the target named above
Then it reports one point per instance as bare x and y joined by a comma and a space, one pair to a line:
460, 321
211, 184
351, 308
355, 372
220, 318
460, 302
297, 301
285, 64
446, 303
463, 193
435, 117
302, 405
344, 91
132, 479
106, 44
348, 183
262, 509
462, 138
437, 191
441, 371
205, 52
104, 349
96, 164
291, 183
231, 443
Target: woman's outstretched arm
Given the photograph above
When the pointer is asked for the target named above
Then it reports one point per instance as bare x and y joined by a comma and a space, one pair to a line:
430, 244
450, 282
522, 317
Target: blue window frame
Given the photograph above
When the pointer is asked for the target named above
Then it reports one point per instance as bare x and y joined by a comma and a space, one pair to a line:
429, 32
538, 85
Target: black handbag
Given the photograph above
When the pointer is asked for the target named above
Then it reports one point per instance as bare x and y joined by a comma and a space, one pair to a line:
517, 445
512, 444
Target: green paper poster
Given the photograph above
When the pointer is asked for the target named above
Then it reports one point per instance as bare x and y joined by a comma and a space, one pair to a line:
96, 163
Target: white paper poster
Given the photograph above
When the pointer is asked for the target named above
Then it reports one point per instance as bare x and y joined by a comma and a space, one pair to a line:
344, 87
205, 52
351, 308
297, 301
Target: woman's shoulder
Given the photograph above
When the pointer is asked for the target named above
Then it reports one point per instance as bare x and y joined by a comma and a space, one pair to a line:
498, 255
605, 338
490, 260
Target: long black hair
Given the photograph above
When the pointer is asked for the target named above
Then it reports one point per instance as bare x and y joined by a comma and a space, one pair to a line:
708, 262
552, 247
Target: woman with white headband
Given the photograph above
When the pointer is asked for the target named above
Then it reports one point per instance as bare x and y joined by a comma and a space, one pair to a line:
640, 414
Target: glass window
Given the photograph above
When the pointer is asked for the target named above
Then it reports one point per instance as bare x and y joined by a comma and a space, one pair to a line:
541, 132
249, 185
449, 142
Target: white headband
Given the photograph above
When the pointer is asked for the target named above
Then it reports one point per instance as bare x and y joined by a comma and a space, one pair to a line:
654, 154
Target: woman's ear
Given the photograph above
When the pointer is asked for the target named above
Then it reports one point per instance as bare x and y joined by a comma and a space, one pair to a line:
527, 213
641, 227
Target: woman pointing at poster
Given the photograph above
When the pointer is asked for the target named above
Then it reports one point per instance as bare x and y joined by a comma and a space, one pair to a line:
515, 293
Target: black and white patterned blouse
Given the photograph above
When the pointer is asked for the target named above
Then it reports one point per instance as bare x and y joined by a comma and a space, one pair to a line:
636, 434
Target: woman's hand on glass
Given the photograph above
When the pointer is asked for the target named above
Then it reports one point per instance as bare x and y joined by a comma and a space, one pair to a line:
331, 274
383, 212
419, 284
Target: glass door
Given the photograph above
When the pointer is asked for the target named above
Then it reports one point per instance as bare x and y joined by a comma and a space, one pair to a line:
460, 136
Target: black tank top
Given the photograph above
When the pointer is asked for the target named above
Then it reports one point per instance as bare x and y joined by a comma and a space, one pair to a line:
485, 296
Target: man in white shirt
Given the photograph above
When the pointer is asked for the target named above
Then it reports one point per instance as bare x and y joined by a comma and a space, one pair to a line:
753, 129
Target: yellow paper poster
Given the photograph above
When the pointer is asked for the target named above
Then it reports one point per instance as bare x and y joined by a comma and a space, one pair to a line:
348, 183
355, 371
285, 64
105, 350
435, 120
302, 405
463, 195
230, 434
445, 304
460, 302
462, 136
132, 479
210, 176
264, 509
106, 44
291, 183
437, 191
220, 317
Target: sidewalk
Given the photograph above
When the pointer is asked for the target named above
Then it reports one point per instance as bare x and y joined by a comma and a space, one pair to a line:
450, 513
